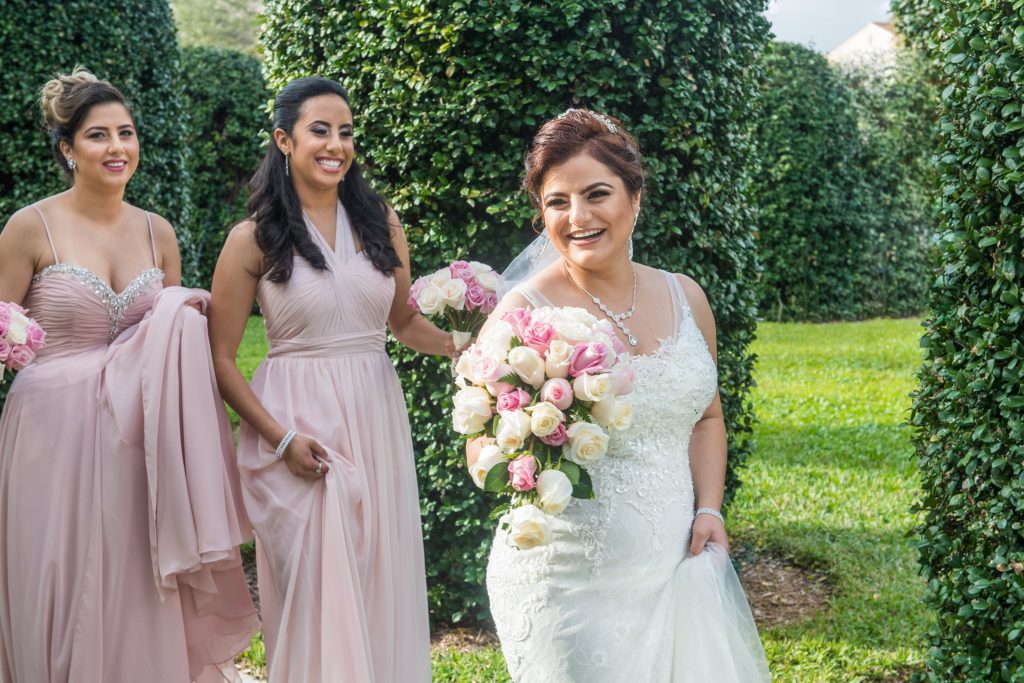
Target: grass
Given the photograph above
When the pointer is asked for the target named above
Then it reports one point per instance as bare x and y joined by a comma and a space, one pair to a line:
830, 487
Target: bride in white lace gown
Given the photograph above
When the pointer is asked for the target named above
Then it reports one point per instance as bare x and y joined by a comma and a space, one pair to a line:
637, 585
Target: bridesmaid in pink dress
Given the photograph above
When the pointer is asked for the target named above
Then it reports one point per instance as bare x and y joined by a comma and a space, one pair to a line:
116, 564
325, 449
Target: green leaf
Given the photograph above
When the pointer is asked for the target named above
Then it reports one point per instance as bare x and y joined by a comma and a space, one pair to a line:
497, 478
584, 488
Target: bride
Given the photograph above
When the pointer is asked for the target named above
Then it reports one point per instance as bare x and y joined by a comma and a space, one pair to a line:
637, 584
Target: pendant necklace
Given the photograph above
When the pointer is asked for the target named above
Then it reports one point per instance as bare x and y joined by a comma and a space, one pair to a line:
616, 318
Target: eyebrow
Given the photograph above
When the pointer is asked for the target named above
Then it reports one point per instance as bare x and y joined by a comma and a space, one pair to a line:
103, 128
325, 123
588, 188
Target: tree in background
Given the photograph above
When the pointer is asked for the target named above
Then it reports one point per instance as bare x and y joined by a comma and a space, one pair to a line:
447, 95
229, 24
968, 412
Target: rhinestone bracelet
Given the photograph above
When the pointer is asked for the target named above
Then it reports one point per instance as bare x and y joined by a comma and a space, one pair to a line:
712, 512
283, 446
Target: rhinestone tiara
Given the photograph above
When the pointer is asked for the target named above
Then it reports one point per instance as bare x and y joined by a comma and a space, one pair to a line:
612, 128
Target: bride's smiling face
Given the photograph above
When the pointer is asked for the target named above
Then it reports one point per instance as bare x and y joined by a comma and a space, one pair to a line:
588, 213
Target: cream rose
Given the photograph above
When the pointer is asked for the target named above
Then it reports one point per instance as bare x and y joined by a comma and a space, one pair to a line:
496, 339
17, 329
594, 387
544, 418
587, 443
467, 422
556, 362
488, 280
528, 527
613, 413
513, 429
453, 294
440, 277
554, 491
474, 399
429, 300
528, 364
490, 455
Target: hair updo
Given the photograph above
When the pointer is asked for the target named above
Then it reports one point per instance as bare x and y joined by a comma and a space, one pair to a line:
577, 131
67, 99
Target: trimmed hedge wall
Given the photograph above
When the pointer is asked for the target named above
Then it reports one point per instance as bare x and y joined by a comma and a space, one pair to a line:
225, 99
447, 95
969, 409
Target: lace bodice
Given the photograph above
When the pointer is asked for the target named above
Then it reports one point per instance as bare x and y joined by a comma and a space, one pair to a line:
629, 538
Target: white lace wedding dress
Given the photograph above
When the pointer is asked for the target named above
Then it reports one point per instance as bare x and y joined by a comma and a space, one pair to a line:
617, 597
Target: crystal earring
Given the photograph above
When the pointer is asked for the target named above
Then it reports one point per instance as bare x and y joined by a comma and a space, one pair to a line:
287, 168
71, 163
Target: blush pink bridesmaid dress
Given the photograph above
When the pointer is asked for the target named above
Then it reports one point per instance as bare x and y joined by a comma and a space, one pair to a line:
120, 511
340, 559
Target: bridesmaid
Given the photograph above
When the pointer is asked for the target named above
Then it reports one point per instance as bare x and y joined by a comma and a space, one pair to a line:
93, 587
325, 448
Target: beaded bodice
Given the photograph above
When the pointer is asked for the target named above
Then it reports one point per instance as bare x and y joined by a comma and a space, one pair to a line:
78, 309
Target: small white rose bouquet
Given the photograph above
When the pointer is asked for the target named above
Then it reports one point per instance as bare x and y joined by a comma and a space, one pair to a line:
547, 385
464, 292
20, 338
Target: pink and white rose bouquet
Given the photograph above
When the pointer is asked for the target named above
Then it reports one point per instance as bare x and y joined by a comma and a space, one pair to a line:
464, 292
20, 338
548, 385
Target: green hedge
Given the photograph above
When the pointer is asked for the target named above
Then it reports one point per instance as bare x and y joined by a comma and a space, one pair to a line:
447, 95
225, 99
969, 409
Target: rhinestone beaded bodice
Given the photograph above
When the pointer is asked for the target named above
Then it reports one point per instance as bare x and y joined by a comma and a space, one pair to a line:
79, 310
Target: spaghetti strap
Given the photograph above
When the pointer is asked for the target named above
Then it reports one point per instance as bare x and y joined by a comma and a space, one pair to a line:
532, 295
680, 304
49, 237
152, 241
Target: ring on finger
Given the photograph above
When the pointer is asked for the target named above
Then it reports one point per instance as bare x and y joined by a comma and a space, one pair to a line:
320, 467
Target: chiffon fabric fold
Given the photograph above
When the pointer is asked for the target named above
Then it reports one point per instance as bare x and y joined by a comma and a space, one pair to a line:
119, 501
340, 558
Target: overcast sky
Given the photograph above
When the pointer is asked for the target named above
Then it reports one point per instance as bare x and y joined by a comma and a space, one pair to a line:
823, 24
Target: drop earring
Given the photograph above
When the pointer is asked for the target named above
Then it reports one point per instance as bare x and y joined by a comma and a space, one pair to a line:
72, 163
287, 166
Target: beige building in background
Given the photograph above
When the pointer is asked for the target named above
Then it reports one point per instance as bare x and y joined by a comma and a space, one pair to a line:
876, 42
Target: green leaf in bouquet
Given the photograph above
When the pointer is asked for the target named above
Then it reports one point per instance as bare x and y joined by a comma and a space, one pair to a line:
585, 488
579, 412
572, 471
491, 427
497, 479
516, 341
497, 512
512, 378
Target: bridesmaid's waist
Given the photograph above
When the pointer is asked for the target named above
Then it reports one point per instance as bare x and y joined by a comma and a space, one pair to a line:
349, 344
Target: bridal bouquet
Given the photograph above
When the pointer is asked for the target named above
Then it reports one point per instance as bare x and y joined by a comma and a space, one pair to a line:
545, 384
20, 338
464, 292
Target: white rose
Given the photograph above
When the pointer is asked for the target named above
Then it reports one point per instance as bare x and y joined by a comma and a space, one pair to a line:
574, 324
513, 429
495, 340
474, 399
17, 330
544, 418
594, 387
490, 455
466, 367
467, 422
556, 362
488, 280
528, 527
429, 300
441, 277
587, 443
613, 413
453, 294
480, 267
528, 364
554, 491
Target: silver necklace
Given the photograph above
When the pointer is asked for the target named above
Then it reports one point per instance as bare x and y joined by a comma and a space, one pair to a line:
616, 318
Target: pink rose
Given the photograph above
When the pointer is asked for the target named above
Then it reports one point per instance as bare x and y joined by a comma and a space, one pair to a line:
21, 356
463, 271
589, 358
490, 370
522, 471
538, 336
557, 392
36, 336
513, 400
414, 292
490, 304
476, 296
5, 350
518, 318
623, 379
617, 345
557, 437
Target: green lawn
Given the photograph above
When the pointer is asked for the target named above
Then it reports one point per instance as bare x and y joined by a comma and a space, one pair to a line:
830, 486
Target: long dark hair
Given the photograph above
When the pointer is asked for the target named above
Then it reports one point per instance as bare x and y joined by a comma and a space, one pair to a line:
274, 203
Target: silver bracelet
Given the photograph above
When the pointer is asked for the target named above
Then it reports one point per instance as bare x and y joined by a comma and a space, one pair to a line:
710, 511
283, 446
